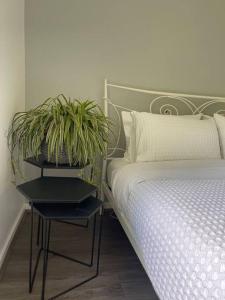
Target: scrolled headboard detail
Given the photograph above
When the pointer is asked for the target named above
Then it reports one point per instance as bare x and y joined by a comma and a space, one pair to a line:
173, 104
158, 102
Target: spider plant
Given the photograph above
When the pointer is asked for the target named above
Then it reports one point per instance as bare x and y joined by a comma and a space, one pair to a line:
79, 128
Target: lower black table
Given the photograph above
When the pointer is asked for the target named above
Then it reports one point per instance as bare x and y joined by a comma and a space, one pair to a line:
62, 199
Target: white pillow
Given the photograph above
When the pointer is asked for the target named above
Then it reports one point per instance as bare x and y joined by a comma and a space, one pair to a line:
165, 137
220, 123
129, 130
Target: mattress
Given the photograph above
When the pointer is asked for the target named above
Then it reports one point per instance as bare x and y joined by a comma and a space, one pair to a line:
176, 212
124, 174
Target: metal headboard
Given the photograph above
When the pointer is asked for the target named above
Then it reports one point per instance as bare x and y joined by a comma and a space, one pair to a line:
166, 103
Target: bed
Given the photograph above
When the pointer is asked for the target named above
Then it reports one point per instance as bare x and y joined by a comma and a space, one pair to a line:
173, 213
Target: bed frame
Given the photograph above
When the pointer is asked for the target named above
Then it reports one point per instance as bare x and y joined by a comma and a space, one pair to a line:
169, 103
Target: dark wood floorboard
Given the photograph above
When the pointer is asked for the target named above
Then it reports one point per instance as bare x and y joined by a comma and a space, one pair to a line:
121, 274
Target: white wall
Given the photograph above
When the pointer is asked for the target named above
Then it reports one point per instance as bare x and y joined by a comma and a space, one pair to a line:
12, 99
174, 45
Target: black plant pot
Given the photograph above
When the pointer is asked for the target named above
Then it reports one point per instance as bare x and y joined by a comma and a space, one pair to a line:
62, 157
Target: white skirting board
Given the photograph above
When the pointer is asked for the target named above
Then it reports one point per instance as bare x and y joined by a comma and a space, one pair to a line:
11, 235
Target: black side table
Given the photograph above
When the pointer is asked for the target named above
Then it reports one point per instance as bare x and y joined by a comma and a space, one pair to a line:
62, 199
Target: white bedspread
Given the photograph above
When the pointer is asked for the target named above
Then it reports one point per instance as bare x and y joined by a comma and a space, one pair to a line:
177, 214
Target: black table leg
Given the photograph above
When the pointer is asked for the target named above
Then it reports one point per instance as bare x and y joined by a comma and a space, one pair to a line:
32, 273
31, 248
38, 232
93, 241
42, 233
99, 240
47, 229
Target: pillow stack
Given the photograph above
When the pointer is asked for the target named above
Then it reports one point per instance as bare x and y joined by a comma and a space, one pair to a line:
153, 137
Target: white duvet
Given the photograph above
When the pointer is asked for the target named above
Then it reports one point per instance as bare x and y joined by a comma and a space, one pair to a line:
176, 211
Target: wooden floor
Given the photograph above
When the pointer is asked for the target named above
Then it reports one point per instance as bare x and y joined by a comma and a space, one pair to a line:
121, 274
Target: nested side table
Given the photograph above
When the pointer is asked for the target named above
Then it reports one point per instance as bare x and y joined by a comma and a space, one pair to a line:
62, 199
